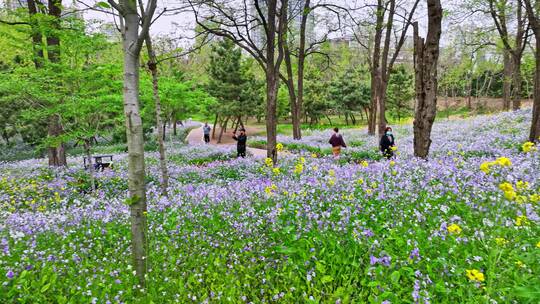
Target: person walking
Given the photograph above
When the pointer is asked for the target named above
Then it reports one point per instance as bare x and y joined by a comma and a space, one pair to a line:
337, 143
206, 131
387, 143
241, 143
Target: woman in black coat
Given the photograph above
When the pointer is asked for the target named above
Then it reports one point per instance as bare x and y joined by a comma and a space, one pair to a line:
387, 142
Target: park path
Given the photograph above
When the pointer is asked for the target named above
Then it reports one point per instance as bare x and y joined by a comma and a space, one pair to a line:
195, 138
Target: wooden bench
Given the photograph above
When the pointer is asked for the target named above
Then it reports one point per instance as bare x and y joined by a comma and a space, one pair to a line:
100, 162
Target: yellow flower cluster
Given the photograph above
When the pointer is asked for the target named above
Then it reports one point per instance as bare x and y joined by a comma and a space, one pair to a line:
522, 220
475, 275
313, 155
538, 244
331, 172
508, 189
279, 147
454, 229
270, 189
501, 241
393, 148
364, 164
528, 147
269, 162
299, 168
501, 161
511, 194
276, 171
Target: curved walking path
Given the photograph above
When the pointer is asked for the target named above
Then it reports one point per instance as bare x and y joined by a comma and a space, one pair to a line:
195, 138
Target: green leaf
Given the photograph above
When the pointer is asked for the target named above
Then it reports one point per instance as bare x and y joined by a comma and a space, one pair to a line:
326, 279
103, 4
45, 287
395, 276
320, 267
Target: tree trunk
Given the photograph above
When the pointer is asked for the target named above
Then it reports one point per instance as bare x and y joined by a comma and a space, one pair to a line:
223, 126
534, 135
152, 66
53, 40
516, 82
87, 143
426, 57
382, 106
135, 141
37, 44
507, 80
57, 152
214, 127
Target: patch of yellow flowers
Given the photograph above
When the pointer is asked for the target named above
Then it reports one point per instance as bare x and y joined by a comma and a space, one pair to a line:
270, 189
279, 147
522, 220
512, 194
501, 161
475, 275
454, 229
528, 147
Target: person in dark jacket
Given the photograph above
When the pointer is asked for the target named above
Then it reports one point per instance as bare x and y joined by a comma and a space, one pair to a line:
206, 131
337, 143
387, 143
241, 143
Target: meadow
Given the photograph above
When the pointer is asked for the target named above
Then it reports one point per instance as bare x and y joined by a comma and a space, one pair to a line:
462, 227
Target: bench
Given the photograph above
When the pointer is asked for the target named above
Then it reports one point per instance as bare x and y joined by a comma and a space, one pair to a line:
100, 162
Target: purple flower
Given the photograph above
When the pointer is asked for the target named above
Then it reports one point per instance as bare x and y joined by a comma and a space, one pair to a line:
373, 260
10, 274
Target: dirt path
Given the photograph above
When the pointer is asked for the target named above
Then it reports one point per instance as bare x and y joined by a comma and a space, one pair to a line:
195, 137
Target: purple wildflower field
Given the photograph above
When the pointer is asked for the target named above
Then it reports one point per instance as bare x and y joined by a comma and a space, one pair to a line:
462, 227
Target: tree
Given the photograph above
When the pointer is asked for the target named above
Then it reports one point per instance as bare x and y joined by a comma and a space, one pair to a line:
239, 22
381, 63
133, 37
401, 92
152, 66
426, 56
350, 93
513, 46
301, 48
534, 18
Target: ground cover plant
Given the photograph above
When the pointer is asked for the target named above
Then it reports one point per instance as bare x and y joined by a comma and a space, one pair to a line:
461, 227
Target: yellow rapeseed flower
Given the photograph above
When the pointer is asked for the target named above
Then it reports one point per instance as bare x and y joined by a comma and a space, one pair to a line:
364, 164
393, 148
538, 244
485, 166
503, 162
276, 171
521, 185
521, 220
269, 162
520, 264
534, 198
506, 186
332, 182
475, 275
279, 147
528, 147
454, 229
313, 155
331, 172
360, 181
501, 241
302, 160
510, 195
392, 163
298, 168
